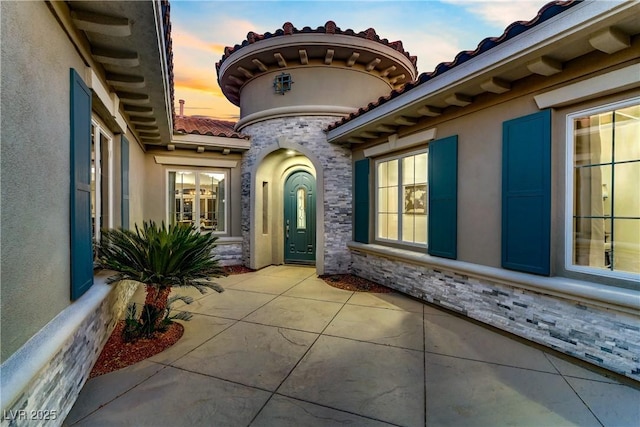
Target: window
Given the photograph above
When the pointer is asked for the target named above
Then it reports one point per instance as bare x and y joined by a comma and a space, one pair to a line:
101, 178
198, 198
401, 199
603, 200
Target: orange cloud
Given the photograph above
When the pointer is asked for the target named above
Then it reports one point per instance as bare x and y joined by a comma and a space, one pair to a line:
184, 39
200, 84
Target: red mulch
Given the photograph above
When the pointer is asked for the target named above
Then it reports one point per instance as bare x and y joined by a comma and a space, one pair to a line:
350, 282
118, 354
237, 269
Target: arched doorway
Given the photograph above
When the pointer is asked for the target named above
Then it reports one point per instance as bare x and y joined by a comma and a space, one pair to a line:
300, 218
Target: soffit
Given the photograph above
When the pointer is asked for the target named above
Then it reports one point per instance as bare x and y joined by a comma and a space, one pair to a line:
132, 43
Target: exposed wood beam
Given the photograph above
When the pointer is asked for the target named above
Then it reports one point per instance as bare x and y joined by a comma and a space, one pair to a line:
496, 85
281, 61
133, 98
120, 58
352, 59
459, 99
248, 74
231, 88
368, 135
405, 121
304, 58
126, 80
259, 64
610, 40
149, 136
395, 79
328, 58
142, 120
387, 70
236, 80
226, 151
429, 111
372, 64
146, 128
385, 129
138, 111
354, 140
545, 66
101, 24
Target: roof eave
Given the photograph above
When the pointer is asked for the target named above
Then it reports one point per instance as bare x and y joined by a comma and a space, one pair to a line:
521, 49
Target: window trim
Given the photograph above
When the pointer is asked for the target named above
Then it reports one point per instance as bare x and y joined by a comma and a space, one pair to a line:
100, 129
398, 242
197, 189
569, 194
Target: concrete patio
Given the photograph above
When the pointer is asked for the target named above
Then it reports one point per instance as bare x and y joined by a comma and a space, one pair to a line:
281, 348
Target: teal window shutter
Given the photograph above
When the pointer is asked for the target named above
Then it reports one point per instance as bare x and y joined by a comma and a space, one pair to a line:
361, 205
80, 221
124, 167
443, 198
526, 193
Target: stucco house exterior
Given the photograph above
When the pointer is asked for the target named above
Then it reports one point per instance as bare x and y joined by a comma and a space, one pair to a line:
502, 185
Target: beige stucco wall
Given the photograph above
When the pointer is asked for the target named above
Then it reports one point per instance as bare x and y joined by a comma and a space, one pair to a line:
35, 170
137, 186
155, 185
313, 86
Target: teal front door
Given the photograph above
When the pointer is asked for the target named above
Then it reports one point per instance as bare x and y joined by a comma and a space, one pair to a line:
300, 218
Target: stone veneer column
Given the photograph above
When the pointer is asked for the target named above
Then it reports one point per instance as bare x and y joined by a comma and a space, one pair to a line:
335, 161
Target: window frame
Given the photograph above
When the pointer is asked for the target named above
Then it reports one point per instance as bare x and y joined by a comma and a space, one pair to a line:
569, 193
195, 213
99, 129
399, 241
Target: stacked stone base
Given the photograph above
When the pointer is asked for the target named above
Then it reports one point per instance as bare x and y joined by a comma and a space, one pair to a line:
49, 395
605, 337
229, 251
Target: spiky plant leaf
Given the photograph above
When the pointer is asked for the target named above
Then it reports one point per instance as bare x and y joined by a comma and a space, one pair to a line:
184, 298
183, 315
162, 256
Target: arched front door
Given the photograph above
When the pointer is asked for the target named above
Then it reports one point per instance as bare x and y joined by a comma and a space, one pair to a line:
300, 218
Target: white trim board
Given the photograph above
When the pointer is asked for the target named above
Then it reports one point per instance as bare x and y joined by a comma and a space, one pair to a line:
191, 161
394, 143
614, 81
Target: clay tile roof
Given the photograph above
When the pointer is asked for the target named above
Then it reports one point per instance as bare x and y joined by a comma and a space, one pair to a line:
546, 12
328, 28
206, 126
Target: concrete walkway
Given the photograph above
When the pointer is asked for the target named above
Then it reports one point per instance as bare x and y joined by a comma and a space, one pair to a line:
281, 348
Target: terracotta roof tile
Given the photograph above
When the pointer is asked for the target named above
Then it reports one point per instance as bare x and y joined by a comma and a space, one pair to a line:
546, 12
329, 28
206, 126
166, 12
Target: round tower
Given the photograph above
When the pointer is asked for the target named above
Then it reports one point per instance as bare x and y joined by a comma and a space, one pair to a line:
290, 85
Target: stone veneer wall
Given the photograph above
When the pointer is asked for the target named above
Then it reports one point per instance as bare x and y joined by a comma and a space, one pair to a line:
307, 132
57, 384
229, 252
601, 336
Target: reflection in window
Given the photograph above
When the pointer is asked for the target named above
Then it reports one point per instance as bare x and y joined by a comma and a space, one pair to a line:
301, 209
606, 200
402, 199
198, 199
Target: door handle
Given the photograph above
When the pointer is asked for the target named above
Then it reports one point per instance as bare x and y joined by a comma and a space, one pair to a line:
287, 229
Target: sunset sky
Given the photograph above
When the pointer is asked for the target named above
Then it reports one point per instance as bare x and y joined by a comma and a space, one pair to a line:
434, 31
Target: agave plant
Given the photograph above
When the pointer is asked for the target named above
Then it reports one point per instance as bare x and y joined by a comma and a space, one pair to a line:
161, 258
